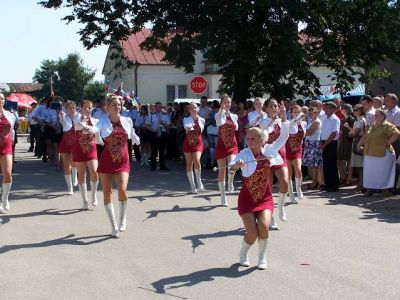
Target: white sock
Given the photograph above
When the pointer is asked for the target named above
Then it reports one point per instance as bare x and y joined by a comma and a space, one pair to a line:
93, 191
68, 180
6, 187
281, 207
298, 187
190, 176
74, 176
262, 253
221, 186
291, 194
83, 190
231, 188
198, 179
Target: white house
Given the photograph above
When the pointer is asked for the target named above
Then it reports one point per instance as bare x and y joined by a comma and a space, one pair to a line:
155, 80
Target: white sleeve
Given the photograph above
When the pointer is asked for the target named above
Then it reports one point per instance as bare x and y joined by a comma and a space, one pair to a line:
187, 124
239, 156
284, 135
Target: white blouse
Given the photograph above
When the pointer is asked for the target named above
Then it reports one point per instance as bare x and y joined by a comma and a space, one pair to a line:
11, 119
270, 151
105, 128
189, 123
220, 119
252, 117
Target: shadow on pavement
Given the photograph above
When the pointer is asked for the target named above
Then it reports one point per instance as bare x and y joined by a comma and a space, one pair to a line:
175, 282
197, 239
67, 240
177, 208
47, 212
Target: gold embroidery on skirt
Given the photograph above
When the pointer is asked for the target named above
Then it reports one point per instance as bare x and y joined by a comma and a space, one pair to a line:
192, 137
85, 140
227, 135
257, 183
4, 132
115, 144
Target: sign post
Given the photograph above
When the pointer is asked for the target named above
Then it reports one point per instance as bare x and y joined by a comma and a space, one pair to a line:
198, 85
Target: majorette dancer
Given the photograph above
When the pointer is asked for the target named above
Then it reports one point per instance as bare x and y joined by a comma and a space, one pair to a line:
193, 146
227, 146
258, 114
84, 153
294, 151
114, 162
67, 144
255, 202
281, 170
7, 122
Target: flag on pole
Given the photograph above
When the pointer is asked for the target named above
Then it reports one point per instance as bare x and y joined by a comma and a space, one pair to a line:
51, 87
119, 90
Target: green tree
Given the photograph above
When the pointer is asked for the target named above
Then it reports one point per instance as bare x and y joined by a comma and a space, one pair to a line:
94, 90
256, 43
70, 76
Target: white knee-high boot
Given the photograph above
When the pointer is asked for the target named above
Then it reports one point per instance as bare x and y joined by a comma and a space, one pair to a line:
221, 185
273, 225
200, 186
190, 176
123, 205
111, 216
244, 254
93, 191
4, 197
74, 175
281, 206
262, 253
83, 190
231, 176
70, 188
291, 194
298, 187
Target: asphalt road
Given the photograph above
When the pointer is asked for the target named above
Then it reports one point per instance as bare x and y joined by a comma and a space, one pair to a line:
186, 247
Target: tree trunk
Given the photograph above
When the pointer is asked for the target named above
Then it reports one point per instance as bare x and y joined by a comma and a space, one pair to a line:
241, 86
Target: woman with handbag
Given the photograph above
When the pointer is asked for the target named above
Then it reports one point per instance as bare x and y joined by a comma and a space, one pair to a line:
357, 131
84, 153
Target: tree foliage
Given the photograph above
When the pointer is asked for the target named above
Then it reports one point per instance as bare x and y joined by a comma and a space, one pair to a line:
256, 43
94, 90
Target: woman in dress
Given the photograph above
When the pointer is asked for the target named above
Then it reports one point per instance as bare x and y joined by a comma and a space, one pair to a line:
254, 117
143, 131
294, 151
193, 147
379, 156
114, 164
7, 122
255, 202
281, 170
312, 155
84, 153
345, 145
357, 132
227, 146
67, 144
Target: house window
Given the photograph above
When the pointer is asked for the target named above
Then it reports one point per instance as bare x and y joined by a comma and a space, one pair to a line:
176, 91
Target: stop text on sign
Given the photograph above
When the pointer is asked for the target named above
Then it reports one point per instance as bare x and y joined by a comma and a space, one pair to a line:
198, 85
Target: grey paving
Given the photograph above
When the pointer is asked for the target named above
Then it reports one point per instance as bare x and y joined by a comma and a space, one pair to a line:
186, 247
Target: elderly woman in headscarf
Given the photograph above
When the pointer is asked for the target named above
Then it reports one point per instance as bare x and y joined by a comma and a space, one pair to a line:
345, 145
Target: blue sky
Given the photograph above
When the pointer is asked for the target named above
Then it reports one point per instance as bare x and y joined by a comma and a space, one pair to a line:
30, 34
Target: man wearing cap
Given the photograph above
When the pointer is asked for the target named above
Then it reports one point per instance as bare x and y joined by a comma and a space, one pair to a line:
329, 137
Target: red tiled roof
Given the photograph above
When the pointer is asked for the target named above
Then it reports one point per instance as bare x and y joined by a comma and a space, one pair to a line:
25, 87
133, 52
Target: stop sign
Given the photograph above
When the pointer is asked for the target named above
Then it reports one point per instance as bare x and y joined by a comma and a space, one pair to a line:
198, 85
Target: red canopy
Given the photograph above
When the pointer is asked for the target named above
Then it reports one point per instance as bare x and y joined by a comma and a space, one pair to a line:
23, 100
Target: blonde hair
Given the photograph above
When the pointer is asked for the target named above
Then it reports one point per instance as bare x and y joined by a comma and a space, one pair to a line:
258, 132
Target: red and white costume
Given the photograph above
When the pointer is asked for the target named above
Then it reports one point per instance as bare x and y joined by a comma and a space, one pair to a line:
69, 136
294, 144
114, 158
85, 146
227, 127
7, 122
193, 141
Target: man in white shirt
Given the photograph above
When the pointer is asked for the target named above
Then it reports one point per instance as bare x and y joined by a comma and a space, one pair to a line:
33, 125
204, 109
329, 136
369, 110
377, 102
159, 123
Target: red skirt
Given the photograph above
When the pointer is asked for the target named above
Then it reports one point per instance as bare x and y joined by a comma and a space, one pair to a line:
227, 142
68, 141
85, 147
5, 137
115, 156
193, 141
294, 145
255, 194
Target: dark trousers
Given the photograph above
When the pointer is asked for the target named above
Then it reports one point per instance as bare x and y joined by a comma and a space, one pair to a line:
396, 147
158, 148
32, 137
99, 149
41, 141
136, 150
172, 144
331, 176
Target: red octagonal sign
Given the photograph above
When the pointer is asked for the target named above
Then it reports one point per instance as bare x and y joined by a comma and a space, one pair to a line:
198, 85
